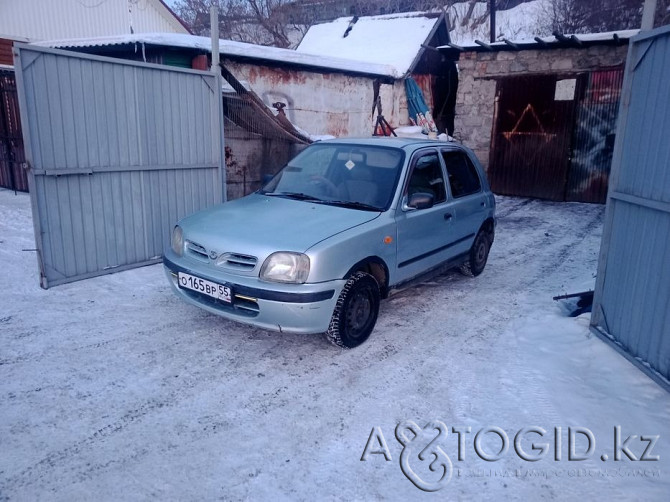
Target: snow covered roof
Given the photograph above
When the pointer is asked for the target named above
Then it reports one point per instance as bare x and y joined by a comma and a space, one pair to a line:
393, 39
229, 48
562, 40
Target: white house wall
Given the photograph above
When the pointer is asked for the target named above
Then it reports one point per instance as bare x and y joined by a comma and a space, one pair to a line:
58, 19
324, 103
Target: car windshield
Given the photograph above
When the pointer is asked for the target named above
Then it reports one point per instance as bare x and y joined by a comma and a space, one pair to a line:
355, 176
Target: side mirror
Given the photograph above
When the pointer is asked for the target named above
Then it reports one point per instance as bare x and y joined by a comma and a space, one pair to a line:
421, 200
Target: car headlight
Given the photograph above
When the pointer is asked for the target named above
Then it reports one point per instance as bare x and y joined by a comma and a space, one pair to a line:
178, 240
286, 267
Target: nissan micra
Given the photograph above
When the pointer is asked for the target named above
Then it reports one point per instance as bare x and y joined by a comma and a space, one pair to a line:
345, 222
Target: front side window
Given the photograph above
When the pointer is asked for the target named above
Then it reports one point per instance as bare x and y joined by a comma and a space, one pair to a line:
463, 178
427, 178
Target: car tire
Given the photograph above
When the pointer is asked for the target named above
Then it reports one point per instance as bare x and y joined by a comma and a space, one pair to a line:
478, 255
356, 311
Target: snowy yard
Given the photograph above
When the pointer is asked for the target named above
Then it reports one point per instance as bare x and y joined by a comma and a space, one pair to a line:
112, 388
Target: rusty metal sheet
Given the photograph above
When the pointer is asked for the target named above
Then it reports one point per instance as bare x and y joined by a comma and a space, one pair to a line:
593, 140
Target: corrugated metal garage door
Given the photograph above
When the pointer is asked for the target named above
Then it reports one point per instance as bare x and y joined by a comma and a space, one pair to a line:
117, 151
554, 135
530, 151
632, 297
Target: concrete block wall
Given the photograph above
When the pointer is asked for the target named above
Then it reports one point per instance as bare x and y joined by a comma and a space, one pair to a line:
479, 72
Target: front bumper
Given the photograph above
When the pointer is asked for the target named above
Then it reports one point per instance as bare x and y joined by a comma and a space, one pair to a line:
292, 308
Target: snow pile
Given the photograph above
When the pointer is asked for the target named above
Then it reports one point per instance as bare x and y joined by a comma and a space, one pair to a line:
306, 134
417, 132
320, 137
393, 39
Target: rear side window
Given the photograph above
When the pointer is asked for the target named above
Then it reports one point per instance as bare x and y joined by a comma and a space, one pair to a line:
463, 177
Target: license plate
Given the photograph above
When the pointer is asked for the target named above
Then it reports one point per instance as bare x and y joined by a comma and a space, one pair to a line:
218, 291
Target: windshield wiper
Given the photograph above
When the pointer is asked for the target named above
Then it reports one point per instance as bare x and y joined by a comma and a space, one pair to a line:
352, 205
294, 195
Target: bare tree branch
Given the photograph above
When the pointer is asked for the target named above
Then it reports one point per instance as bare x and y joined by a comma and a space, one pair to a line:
281, 23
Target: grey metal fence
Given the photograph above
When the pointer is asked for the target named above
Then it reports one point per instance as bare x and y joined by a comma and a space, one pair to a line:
632, 297
117, 152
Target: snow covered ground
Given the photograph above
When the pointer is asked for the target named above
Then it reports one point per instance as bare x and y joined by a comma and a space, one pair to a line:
112, 388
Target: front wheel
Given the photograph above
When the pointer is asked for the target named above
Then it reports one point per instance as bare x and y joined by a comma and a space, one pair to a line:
356, 311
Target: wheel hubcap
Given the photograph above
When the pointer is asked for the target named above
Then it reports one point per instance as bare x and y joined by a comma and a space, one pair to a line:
481, 253
359, 313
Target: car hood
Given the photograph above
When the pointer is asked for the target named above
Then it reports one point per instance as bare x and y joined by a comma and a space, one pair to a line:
259, 224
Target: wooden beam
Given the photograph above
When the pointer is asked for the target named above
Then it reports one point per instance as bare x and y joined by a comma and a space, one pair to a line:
560, 37
429, 48
512, 44
484, 44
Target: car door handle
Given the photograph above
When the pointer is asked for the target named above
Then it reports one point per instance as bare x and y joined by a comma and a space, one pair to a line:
483, 204
447, 216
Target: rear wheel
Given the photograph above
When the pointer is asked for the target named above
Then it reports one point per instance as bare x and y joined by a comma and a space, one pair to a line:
356, 311
479, 254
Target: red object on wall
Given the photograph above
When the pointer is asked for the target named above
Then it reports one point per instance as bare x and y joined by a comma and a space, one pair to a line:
200, 62
6, 57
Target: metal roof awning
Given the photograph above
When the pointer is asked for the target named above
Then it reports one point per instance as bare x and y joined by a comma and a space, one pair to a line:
229, 49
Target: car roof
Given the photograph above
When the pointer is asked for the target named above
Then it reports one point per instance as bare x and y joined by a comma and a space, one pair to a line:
394, 142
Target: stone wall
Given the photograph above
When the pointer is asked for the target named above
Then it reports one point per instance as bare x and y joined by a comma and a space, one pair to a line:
475, 104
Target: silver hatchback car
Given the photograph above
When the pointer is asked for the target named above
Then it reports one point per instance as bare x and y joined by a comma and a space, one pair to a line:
318, 247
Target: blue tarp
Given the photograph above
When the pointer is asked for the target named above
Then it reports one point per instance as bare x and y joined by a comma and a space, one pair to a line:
417, 107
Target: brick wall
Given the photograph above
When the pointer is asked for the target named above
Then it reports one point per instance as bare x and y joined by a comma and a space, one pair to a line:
475, 103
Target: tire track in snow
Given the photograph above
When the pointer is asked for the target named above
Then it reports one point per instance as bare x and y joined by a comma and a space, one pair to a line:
68, 461
37, 357
60, 458
544, 403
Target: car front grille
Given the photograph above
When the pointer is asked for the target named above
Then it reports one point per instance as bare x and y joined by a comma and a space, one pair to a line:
233, 261
237, 261
197, 251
